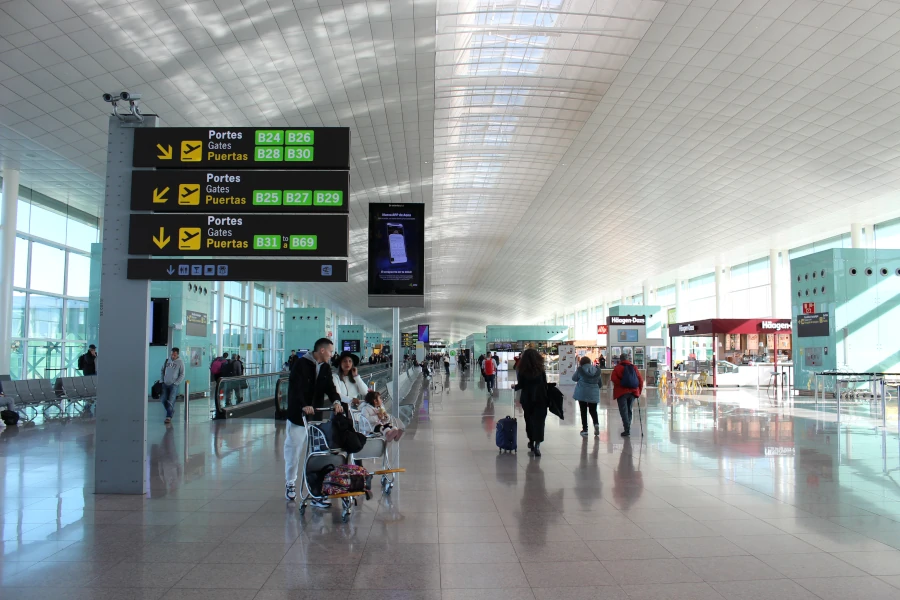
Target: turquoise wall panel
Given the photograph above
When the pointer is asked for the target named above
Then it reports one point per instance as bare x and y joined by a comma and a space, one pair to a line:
351, 332
860, 290
302, 327
519, 333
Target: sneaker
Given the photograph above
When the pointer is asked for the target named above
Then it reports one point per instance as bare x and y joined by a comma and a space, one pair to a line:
290, 492
584, 433
321, 503
596, 431
168, 420
626, 433
537, 449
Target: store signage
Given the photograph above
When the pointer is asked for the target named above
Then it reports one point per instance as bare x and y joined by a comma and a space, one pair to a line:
243, 147
814, 325
184, 269
397, 255
809, 308
602, 329
627, 320
244, 235
239, 191
775, 325
686, 327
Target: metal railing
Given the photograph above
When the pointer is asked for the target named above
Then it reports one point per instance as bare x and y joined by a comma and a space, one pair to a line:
244, 391
848, 387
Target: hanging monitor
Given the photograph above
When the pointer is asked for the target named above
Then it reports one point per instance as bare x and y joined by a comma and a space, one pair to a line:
396, 255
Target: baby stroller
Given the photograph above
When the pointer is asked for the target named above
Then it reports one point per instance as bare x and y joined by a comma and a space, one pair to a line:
320, 459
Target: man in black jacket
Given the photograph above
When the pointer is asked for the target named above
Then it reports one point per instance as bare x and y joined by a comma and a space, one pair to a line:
309, 382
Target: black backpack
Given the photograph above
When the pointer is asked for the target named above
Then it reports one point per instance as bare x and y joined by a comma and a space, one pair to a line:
81, 362
9, 417
227, 369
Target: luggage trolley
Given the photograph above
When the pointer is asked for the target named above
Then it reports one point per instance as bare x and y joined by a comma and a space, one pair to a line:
319, 455
376, 447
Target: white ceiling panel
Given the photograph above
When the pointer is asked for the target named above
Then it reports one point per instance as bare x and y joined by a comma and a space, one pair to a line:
565, 149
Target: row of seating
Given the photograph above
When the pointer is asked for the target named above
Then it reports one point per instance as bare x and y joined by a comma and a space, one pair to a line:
69, 394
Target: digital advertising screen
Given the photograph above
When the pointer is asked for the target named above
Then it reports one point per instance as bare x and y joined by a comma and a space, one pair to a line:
350, 345
423, 334
628, 335
397, 255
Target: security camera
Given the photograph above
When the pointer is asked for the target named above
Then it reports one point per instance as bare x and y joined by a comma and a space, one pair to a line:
129, 97
109, 98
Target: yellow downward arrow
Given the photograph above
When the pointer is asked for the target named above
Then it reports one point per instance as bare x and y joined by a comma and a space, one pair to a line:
162, 240
164, 153
160, 197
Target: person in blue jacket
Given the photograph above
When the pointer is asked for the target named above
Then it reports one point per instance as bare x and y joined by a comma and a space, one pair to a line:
587, 392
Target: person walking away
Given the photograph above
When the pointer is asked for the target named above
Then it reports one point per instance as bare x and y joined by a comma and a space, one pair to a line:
237, 370
310, 381
171, 377
291, 359
587, 392
490, 374
602, 362
87, 362
532, 381
447, 364
215, 367
347, 380
627, 385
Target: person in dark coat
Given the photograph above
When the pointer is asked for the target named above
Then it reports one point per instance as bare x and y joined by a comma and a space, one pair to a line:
532, 381
309, 382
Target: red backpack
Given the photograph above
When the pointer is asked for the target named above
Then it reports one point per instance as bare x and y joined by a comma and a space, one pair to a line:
490, 367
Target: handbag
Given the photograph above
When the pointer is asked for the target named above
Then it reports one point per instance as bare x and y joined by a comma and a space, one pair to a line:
555, 399
156, 390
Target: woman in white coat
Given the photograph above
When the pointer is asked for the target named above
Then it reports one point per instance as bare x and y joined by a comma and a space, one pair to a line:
347, 380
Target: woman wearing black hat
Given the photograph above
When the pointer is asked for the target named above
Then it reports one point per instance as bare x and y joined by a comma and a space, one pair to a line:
347, 380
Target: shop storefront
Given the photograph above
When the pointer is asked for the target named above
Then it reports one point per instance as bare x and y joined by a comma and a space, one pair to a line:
509, 341
737, 352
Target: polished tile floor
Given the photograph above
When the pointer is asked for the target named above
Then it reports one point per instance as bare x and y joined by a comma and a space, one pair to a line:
736, 495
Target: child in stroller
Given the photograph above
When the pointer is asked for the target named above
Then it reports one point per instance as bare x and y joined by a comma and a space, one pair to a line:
375, 418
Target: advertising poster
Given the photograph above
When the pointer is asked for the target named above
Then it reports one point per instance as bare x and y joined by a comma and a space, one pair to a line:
396, 255
196, 356
568, 363
672, 316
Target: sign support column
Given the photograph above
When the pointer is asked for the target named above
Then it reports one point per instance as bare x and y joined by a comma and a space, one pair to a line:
121, 431
395, 362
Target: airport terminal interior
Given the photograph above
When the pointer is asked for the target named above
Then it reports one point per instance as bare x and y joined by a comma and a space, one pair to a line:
587, 299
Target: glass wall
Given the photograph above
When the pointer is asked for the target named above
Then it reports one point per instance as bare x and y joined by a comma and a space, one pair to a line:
234, 317
50, 287
750, 289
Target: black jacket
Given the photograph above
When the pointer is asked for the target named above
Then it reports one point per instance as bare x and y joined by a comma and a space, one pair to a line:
305, 389
90, 364
534, 389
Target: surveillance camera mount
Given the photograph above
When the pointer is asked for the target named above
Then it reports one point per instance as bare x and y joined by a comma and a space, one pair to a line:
132, 114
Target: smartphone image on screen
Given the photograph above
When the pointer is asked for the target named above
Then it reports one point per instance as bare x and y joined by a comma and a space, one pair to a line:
397, 241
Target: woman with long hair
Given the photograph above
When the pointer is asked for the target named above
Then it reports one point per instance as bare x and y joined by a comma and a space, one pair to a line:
347, 380
532, 381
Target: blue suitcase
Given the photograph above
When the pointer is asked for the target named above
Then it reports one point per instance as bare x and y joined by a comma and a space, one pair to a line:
507, 432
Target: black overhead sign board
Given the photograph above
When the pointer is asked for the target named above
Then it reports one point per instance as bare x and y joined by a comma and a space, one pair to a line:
297, 236
240, 191
242, 147
813, 325
187, 269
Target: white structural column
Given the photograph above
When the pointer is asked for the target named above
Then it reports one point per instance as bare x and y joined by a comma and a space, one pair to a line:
250, 318
723, 291
779, 273
8, 215
856, 236
679, 308
870, 234
275, 359
220, 326
645, 293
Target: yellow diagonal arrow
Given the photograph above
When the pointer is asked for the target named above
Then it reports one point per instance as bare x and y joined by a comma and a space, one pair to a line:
164, 153
160, 197
162, 240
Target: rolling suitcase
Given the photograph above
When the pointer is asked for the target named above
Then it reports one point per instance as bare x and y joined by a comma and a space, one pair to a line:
507, 431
